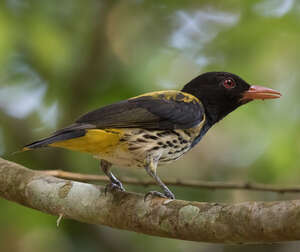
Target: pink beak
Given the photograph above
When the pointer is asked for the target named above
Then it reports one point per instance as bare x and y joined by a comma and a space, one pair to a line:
262, 93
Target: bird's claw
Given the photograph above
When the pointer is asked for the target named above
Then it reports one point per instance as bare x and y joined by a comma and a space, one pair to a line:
166, 195
114, 187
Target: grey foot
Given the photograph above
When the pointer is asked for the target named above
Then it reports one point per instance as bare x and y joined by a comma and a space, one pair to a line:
111, 187
166, 195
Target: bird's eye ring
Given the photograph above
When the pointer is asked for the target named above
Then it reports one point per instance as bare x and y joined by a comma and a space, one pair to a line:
229, 83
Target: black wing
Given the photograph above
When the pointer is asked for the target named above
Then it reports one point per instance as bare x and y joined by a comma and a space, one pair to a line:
157, 110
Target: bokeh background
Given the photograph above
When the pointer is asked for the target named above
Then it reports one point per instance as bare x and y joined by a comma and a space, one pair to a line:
62, 58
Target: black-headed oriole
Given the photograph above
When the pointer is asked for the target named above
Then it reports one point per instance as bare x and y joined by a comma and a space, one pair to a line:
155, 128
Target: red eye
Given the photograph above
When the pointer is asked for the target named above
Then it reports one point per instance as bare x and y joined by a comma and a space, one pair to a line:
229, 83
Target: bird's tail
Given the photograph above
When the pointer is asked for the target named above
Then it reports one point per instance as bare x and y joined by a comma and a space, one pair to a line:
61, 136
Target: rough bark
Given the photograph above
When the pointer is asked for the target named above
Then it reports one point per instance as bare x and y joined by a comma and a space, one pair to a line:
247, 222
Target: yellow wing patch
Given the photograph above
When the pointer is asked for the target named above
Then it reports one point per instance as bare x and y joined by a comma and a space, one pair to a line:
171, 95
95, 141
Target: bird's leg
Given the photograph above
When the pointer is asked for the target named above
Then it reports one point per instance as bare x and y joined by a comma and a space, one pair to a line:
150, 167
114, 182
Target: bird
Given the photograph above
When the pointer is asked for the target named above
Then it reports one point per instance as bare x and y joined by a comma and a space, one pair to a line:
155, 128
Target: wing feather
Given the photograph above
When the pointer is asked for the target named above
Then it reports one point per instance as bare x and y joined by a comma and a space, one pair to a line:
157, 110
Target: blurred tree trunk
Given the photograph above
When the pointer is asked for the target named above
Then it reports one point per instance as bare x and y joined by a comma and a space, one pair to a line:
95, 62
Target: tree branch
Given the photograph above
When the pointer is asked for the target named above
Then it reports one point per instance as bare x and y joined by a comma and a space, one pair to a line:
245, 222
186, 183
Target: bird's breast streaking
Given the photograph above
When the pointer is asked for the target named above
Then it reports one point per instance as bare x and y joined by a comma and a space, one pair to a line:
166, 145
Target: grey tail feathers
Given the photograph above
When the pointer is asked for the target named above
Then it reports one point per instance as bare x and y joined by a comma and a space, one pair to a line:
62, 136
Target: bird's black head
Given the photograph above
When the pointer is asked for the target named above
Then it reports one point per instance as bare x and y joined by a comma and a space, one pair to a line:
222, 92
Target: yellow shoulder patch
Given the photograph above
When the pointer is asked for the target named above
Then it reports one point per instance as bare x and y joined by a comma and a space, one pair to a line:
170, 95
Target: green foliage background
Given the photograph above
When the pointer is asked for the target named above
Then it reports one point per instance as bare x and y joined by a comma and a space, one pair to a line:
59, 59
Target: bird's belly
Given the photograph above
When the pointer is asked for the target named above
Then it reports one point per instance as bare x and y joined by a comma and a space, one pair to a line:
121, 158
167, 145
